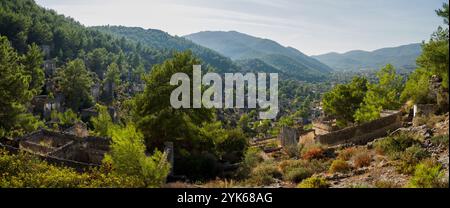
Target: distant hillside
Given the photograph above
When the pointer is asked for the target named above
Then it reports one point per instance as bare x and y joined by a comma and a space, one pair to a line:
24, 23
163, 41
239, 46
402, 57
256, 65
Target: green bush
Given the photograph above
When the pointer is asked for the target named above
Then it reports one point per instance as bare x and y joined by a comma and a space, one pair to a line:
252, 158
102, 124
410, 158
66, 119
340, 166
293, 150
393, 145
198, 166
428, 174
26, 171
232, 147
265, 174
314, 182
127, 157
295, 169
296, 175
440, 140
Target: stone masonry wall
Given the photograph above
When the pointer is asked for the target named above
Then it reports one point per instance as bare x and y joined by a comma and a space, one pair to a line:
363, 133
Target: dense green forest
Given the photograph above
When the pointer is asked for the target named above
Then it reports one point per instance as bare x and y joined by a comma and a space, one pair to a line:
163, 41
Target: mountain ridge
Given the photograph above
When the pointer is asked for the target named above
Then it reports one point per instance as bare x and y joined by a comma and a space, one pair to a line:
162, 40
241, 46
402, 57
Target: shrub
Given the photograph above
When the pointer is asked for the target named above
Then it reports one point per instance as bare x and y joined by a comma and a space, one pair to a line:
66, 119
428, 174
314, 166
362, 159
127, 157
393, 145
252, 158
410, 158
198, 166
265, 174
347, 154
293, 150
429, 120
313, 152
103, 123
26, 171
385, 184
287, 165
314, 182
232, 147
340, 166
440, 140
296, 175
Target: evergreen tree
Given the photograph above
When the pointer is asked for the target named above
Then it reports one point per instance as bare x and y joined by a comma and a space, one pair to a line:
33, 61
155, 116
76, 84
384, 95
434, 60
344, 100
15, 93
103, 123
111, 82
128, 157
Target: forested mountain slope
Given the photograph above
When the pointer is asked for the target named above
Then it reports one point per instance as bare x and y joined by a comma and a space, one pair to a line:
402, 57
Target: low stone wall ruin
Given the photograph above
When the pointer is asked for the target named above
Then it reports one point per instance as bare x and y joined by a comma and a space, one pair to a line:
288, 136
363, 133
87, 151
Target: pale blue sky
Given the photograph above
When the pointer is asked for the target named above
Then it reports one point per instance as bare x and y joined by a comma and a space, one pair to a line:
312, 26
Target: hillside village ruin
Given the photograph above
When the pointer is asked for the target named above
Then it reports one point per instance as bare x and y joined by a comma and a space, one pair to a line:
74, 147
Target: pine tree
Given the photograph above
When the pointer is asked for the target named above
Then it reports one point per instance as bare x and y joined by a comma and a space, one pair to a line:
15, 93
76, 84
384, 95
155, 116
33, 61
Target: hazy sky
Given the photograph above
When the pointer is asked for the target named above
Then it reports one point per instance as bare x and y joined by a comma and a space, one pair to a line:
312, 26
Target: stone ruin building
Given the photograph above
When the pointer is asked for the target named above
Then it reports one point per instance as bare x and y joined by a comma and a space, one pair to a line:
62, 148
326, 132
43, 105
87, 114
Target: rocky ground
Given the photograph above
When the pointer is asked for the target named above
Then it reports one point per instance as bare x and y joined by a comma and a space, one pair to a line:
381, 173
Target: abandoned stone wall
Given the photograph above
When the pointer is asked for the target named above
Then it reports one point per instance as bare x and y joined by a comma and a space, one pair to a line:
288, 136
79, 166
308, 137
89, 150
424, 109
36, 148
324, 127
42, 142
363, 133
